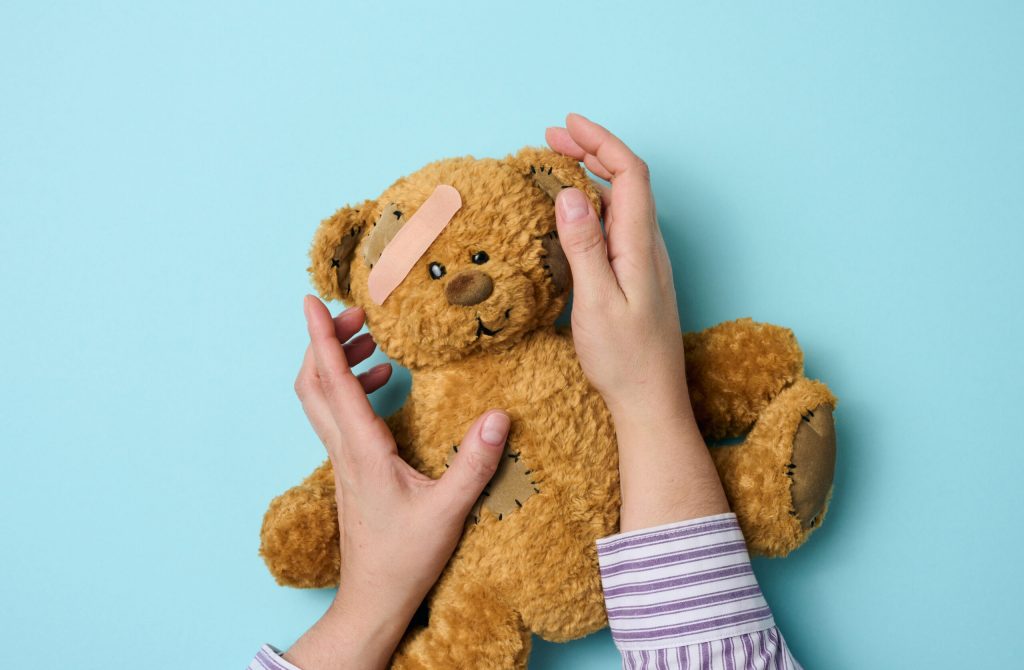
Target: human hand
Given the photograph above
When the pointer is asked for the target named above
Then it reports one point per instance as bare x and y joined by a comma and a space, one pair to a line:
398, 526
625, 322
625, 326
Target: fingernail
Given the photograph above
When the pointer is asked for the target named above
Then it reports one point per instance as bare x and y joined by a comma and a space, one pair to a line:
572, 205
495, 428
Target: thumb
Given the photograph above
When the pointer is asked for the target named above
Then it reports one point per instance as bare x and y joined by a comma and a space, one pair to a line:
476, 460
583, 242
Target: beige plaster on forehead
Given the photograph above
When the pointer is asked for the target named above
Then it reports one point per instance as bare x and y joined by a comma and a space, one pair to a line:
410, 240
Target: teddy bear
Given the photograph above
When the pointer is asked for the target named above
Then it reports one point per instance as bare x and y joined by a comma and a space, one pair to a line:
474, 323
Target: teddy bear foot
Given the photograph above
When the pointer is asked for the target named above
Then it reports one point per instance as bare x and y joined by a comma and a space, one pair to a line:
813, 465
778, 480
469, 626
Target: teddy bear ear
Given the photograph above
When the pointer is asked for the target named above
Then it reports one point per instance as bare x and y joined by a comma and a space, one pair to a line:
551, 171
334, 247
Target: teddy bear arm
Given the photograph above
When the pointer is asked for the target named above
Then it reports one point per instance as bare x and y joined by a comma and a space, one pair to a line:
734, 369
299, 538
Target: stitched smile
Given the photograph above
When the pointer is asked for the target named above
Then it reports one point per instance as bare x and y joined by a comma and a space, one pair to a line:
481, 329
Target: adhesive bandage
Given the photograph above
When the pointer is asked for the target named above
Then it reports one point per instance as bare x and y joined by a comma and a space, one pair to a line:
411, 241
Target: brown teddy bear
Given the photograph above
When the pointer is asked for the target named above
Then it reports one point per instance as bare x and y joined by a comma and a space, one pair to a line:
474, 322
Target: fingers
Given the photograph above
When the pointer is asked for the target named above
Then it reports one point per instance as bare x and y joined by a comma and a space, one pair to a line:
583, 242
630, 177
307, 383
595, 166
476, 461
631, 220
375, 377
314, 403
359, 349
344, 393
612, 152
348, 324
561, 141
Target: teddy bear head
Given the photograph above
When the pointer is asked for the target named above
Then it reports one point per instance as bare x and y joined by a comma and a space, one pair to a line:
495, 273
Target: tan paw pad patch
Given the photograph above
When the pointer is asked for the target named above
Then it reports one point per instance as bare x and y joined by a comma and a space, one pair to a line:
813, 465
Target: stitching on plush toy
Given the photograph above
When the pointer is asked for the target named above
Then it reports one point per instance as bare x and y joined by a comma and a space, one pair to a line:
511, 486
384, 230
340, 259
547, 182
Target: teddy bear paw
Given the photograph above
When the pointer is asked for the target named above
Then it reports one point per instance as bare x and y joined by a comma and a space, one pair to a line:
813, 465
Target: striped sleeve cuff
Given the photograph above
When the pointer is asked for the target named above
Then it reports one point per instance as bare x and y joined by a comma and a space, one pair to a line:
269, 658
680, 584
762, 650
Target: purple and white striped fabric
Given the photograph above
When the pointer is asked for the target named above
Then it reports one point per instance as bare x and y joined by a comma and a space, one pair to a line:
763, 650
683, 595
269, 658
680, 597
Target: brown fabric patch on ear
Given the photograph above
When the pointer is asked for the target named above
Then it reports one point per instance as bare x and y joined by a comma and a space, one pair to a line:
513, 483
555, 263
387, 225
342, 258
546, 181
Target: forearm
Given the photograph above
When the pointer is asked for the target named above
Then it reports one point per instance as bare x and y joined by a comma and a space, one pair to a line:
351, 637
666, 471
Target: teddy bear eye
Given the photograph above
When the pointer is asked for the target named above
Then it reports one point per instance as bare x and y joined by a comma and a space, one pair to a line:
436, 270
480, 257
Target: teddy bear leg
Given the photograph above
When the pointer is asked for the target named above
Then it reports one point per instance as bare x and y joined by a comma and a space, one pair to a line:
567, 603
469, 627
735, 369
299, 539
779, 479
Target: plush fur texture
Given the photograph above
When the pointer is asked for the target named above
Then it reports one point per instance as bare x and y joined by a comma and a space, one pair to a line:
534, 569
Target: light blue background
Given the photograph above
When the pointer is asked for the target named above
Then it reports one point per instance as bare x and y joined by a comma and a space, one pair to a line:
854, 171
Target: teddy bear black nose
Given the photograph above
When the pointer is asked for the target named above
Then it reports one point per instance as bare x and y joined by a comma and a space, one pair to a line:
469, 287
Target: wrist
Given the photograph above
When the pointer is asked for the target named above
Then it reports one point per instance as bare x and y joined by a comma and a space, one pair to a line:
649, 408
373, 625
649, 389
666, 470
354, 633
